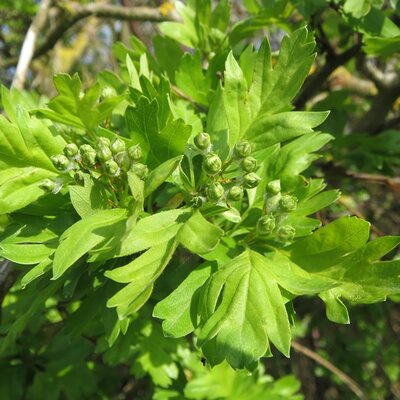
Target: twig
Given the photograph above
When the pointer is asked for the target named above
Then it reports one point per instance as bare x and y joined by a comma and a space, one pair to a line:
315, 81
28, 46
72, 12
346, 379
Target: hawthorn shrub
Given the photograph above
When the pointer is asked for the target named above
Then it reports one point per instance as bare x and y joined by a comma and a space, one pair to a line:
162, 219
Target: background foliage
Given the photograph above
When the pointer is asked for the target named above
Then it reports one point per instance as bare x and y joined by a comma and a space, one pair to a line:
179, 69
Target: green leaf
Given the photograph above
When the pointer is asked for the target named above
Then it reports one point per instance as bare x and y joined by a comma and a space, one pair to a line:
365, 279
37, 300
94, 229
25, 150
156, 356
169, 54
297, 155
160, 174
328, 245
267, 130
293, 278
183, 32
383, 47
32, 253
141, 274
159, 145
275, 88
235, 99
191, 79
37, 271
74, 107
198, 235
244, 309
178, 308
88, 199
336, 311
153, 230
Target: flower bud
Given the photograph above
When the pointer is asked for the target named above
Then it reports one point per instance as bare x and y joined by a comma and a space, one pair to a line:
249, 164
251, 180
89, 158
60, 162
288, 203
71, 150
111, 167
79, 177
108, 92
286, 233
135, 152
242, 149
202, 140
104, 153
103, 142
274, 187
86, 148
235, 193
266, 225
212, 164
48, 185
117, 146
197, 202
140, 170
214, 192
123, 160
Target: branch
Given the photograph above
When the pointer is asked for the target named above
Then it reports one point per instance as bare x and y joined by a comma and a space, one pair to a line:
315, 81
8, 276
28, 46
72, 12
346, 379
374, 119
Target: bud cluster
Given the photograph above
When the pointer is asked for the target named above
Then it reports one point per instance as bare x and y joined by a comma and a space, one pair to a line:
277, 207
105, 158
219, 189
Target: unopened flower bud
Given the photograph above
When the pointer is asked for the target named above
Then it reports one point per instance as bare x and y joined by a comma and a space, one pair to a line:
266, 225
123, 160
202, 140
140, 170
212, 164
60, 162
104, 153
242, 149
79, 177
274, 187
251, 180
111, 167
135, 152
48, 185
286, 233
249, 164
197, 202
89, 158
288, 203
86, 148
214, 192
108, 92
103, 142
117, 146
235, 193
71, 150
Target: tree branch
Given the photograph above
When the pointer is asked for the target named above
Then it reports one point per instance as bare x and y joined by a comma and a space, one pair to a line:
374, 119
71, 12
346, 379
28, 46
315, 81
